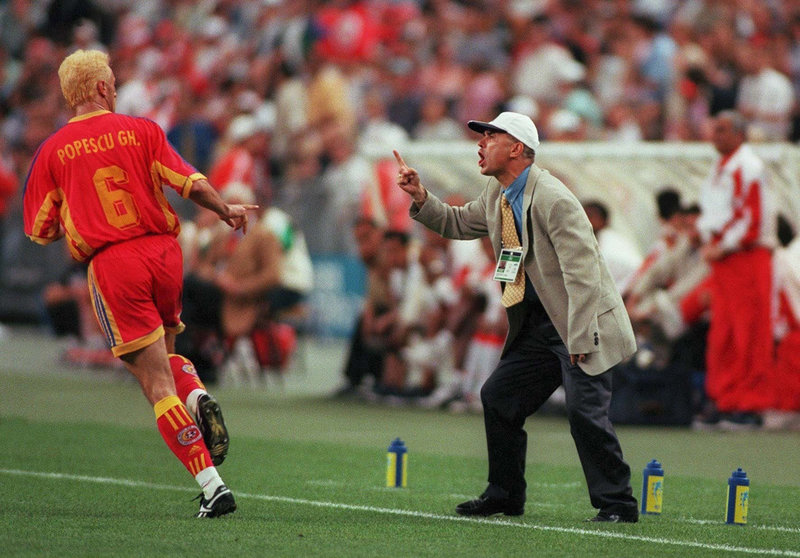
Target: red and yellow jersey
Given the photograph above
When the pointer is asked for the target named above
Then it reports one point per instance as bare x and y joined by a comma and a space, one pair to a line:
99, 180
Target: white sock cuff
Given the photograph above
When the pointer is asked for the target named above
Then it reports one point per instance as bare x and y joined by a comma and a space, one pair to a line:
191, 400
209, 480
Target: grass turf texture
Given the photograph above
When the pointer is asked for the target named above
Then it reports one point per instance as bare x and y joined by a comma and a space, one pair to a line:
84, 472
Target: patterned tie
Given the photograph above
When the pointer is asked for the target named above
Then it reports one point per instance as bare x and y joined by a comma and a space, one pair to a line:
513, 293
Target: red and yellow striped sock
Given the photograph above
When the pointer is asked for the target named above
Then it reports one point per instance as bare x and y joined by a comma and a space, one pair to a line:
187, 383
181, 434
185, 375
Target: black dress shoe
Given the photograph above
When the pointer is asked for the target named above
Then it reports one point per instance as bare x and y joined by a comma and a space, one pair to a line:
605, 517
484, 506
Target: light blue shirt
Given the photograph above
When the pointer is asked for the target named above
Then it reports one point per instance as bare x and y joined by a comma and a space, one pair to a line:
514, 196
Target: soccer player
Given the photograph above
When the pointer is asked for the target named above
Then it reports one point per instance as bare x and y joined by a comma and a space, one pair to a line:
98, 181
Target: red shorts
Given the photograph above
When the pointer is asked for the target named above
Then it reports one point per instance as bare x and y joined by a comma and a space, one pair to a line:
136, 289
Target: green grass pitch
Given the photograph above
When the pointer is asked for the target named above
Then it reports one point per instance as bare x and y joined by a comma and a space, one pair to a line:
85, 473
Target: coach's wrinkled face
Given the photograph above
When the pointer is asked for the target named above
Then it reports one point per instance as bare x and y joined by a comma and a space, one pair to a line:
496, 150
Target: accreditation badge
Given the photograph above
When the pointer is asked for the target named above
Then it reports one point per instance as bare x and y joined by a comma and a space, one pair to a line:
508, 264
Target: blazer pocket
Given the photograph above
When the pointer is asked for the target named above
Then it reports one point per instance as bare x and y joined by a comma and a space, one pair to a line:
606, 303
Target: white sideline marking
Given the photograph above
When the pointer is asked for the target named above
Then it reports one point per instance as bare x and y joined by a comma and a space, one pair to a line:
755, 526
417, 514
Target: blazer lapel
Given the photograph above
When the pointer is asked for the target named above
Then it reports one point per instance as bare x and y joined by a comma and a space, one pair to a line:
494, 217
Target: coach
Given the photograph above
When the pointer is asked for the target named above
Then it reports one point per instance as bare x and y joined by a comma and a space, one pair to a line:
567, 322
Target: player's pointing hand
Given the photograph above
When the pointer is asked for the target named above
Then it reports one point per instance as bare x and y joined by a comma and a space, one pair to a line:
237, 215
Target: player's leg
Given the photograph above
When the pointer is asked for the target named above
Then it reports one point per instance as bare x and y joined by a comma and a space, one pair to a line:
121, 280
203, 406
151, 368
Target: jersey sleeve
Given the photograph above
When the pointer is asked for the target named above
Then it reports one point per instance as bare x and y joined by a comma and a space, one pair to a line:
169, 166
41, 203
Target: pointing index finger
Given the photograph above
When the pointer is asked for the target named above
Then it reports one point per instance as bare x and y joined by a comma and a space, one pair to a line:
399, 159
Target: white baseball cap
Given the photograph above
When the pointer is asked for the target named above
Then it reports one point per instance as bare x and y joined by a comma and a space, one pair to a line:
514, 123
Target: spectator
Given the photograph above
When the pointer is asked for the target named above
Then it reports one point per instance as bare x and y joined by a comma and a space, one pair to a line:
85, 35
202, 343
17, 21
409, 291
564, 125
672, 221
766, 96
671, 217
376, 128
291, 108
345, 180
192, 132
296, 272
668, 305
350, 32
251, 269
328, 98
738, 229
435, 122
301, 191
539, 63
481, 296
460, 306
428, 352
405, 100
621, 255
8, 189
659, 293
620, 124
365, 358
443, 75
785, 411
577, 96
244, 159
656, 51
70, 314
151, 92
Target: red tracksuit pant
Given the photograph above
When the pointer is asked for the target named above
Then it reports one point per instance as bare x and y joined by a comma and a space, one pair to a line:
739, 358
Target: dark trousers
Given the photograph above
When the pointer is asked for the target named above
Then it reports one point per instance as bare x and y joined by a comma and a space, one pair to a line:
534, 366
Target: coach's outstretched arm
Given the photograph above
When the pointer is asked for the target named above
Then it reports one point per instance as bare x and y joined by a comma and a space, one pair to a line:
235, 215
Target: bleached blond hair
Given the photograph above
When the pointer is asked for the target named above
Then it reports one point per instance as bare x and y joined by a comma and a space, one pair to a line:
79, 74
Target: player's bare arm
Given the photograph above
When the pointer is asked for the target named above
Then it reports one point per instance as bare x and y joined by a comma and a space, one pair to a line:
235, 215
408, 180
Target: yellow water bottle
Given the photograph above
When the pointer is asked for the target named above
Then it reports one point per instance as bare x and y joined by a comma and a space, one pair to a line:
738, 498
652, 487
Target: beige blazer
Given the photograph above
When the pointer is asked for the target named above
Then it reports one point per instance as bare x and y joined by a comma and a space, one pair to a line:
561, 258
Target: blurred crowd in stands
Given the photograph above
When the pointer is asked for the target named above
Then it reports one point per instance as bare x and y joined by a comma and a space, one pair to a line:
274, 100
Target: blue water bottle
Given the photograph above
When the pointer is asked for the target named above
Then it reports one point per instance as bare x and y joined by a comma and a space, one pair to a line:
396, 464
652, 487
738, 496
